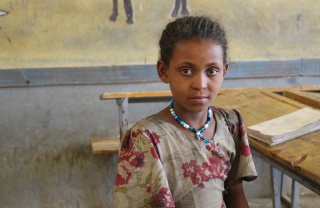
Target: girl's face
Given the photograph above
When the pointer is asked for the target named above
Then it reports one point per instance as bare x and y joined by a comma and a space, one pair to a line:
195, 74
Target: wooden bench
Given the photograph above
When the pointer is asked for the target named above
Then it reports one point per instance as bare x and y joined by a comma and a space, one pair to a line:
111, 144
105, 145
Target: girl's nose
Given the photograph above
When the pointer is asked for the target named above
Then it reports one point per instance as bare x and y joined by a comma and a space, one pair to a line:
200, 81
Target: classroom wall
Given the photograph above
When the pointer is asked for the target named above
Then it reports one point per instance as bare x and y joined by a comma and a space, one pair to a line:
45, 33
45, 153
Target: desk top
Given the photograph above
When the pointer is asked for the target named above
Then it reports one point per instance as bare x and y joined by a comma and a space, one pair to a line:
300, 155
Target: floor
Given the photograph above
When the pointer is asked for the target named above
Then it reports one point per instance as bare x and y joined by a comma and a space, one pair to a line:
306, 201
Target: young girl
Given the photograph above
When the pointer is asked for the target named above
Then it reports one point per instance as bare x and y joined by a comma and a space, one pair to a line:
190, 154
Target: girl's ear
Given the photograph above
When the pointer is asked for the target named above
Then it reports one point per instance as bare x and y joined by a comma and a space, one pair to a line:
225, 69
162, 71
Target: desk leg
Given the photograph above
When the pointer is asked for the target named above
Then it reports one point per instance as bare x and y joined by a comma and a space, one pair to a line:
123, 115
295, 194
276, 185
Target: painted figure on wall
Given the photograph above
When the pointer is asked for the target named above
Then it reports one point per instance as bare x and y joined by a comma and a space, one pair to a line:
2, 13
183, 4
127, 7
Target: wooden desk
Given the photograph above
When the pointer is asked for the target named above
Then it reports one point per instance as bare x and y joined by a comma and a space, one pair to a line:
298, 158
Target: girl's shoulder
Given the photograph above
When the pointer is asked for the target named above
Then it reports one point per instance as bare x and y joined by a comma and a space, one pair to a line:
232, 118
229, 113
149, 122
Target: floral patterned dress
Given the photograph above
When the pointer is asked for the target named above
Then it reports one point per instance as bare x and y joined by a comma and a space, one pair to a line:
160, 166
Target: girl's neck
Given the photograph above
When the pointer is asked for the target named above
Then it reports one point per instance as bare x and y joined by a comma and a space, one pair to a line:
195, 119
191, 123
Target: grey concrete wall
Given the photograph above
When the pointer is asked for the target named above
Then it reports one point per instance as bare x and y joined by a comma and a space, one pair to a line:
45, 152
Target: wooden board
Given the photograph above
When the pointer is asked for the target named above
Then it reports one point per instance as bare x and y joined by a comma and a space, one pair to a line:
105, 145
145, 94
309, 98
158, 94
300, 155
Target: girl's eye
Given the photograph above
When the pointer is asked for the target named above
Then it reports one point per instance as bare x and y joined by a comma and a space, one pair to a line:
186, 71
212, 71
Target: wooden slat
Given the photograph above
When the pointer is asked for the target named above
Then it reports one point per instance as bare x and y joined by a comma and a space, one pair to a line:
309, 98
281, 89
105, 145
144, 94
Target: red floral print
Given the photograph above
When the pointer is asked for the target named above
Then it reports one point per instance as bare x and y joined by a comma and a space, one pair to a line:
154, 152
216, 167
245, 149
136, 133
155, 138
129, 159
123, 179
148, 188
138, 161
162, 199
150, 154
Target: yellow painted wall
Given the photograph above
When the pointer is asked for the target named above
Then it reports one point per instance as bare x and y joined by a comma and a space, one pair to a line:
60, 33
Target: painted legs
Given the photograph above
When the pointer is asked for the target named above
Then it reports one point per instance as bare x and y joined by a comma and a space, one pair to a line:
184, 9
127, 8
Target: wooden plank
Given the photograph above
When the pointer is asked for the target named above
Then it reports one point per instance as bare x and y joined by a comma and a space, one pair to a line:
252, 100
143, 94
163, 94
309, 98
105, 145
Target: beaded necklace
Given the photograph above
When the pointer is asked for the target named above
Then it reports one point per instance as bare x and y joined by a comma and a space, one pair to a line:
198, 132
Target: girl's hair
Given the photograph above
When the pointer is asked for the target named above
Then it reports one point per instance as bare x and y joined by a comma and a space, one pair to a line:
184, 28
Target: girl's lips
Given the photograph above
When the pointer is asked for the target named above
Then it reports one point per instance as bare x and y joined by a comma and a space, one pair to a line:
199, 99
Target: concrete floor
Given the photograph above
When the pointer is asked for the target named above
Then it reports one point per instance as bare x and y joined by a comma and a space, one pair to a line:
308, 198
306, 201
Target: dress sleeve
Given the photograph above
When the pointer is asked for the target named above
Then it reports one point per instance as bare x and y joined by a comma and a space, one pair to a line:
242, 166
140, 177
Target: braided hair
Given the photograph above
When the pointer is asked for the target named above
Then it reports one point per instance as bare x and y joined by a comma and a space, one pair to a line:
189, 27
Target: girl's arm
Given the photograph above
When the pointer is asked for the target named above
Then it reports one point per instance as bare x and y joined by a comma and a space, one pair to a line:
235, 198
140, 179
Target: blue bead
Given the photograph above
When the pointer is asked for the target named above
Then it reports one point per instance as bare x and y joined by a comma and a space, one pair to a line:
206, 140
